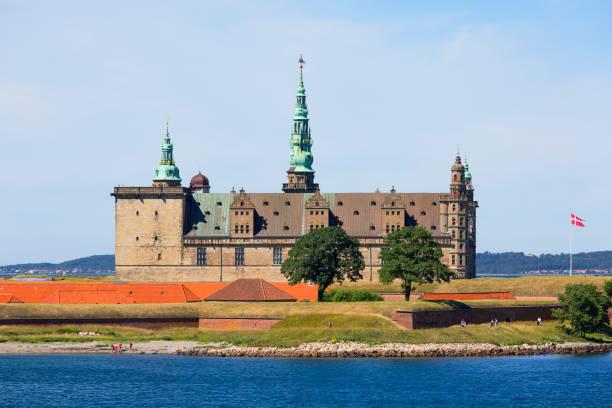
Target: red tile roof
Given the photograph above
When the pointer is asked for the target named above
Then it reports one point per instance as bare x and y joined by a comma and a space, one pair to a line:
250, 290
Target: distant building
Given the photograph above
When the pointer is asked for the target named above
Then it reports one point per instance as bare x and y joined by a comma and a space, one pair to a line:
167, 232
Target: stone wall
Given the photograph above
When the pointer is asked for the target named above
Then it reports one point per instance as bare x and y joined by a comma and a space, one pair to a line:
236, 323
150, 323
477, 315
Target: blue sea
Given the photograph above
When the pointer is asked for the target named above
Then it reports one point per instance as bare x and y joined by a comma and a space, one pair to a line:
180, 381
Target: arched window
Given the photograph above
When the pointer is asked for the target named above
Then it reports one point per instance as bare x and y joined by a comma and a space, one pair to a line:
247, 228
455, 178
236, 228
241, 228
387, 229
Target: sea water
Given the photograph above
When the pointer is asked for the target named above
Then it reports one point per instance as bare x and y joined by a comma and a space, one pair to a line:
181, 381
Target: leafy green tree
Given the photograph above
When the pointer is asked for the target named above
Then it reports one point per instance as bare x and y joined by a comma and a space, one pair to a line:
584, 308
412, 256
608, 287
324, 256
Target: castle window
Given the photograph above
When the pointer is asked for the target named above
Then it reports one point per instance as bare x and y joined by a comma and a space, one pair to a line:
339, 203
454, 207
317, 226
392, 212
311, 227
433, 204
236, 228
433, 227
412, 203
201, 257
242, 203
241, 229
393, 228
159, 256
355, 212
398, 227
372, 228
453, 234
241, 212
452, 259
235, 212
156, 213
373, 203
392, 203
461, 234
137, 212
387, 212
275, 213
219, 203
246, 212
316, 213
287, 203
311, 212
239, 256
136, 238
155, 238
286, 227
461, 221
265, 203
217, 228
461, 207
460, 246
455, 178
387, 229
453, 221
247, 228
277, 255
422, 212
460, 259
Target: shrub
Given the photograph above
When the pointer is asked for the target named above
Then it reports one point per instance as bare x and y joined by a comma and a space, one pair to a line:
608, 287
353, 295
584, 308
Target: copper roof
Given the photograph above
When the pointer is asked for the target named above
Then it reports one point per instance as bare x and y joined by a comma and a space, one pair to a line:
284, 214
250, 290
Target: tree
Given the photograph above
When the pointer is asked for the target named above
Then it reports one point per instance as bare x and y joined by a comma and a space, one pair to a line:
608, 287
584, 308
324, 256
412, 256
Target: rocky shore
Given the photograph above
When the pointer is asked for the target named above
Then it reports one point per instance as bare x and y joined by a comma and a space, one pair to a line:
395, 350
310, 350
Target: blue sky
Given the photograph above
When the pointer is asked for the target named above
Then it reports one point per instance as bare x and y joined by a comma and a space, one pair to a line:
523, 88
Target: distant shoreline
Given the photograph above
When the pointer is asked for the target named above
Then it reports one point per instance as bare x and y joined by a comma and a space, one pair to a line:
310, 350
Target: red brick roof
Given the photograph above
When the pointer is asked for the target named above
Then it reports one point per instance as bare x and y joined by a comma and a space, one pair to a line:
250, 290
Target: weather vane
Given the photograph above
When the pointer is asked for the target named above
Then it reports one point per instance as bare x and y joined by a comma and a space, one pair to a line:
167, 120
301, 62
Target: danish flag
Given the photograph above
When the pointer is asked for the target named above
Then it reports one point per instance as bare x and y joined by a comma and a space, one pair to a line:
579, 222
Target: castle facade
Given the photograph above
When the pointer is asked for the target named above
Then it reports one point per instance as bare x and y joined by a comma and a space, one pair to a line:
168, 233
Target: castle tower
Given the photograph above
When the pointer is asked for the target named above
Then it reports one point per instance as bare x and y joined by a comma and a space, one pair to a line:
166, 174
458, 217
300, 175
393, 212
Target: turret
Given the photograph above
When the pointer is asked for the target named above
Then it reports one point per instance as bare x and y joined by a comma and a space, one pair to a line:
300, 175
166, 174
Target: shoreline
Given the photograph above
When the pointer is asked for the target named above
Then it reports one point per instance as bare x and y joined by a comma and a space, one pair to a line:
312, 350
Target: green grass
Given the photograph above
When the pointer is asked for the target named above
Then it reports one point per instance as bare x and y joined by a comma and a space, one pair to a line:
528, 285
308, 328
240, 309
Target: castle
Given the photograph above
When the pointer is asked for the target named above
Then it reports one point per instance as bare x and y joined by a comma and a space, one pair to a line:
168, 233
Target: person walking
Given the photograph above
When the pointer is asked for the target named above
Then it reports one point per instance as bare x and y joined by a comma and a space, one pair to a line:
463, 324
539, 320
492, 322
496, 322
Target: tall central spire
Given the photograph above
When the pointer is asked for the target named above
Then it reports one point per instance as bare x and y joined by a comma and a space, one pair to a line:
167, 174
300, 173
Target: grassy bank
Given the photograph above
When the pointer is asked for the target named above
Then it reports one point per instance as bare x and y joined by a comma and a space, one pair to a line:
307, 328
528, 285
239, 309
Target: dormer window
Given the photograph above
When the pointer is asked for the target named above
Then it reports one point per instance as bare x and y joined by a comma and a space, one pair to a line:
287, 203
286, 227
339, 203
207, 212
433, 204
219, 203
217, 228
275, 212
433, 227
372, 228
355, 212
265, 203
412, 203
422, 212
373, 203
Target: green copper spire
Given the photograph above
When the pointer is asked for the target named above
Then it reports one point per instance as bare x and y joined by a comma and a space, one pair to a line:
167, 172
301, 142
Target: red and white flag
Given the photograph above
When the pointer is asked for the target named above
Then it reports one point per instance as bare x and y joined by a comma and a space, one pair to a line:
579, 222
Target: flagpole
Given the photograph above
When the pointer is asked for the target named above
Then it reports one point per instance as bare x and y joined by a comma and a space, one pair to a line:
570, 248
